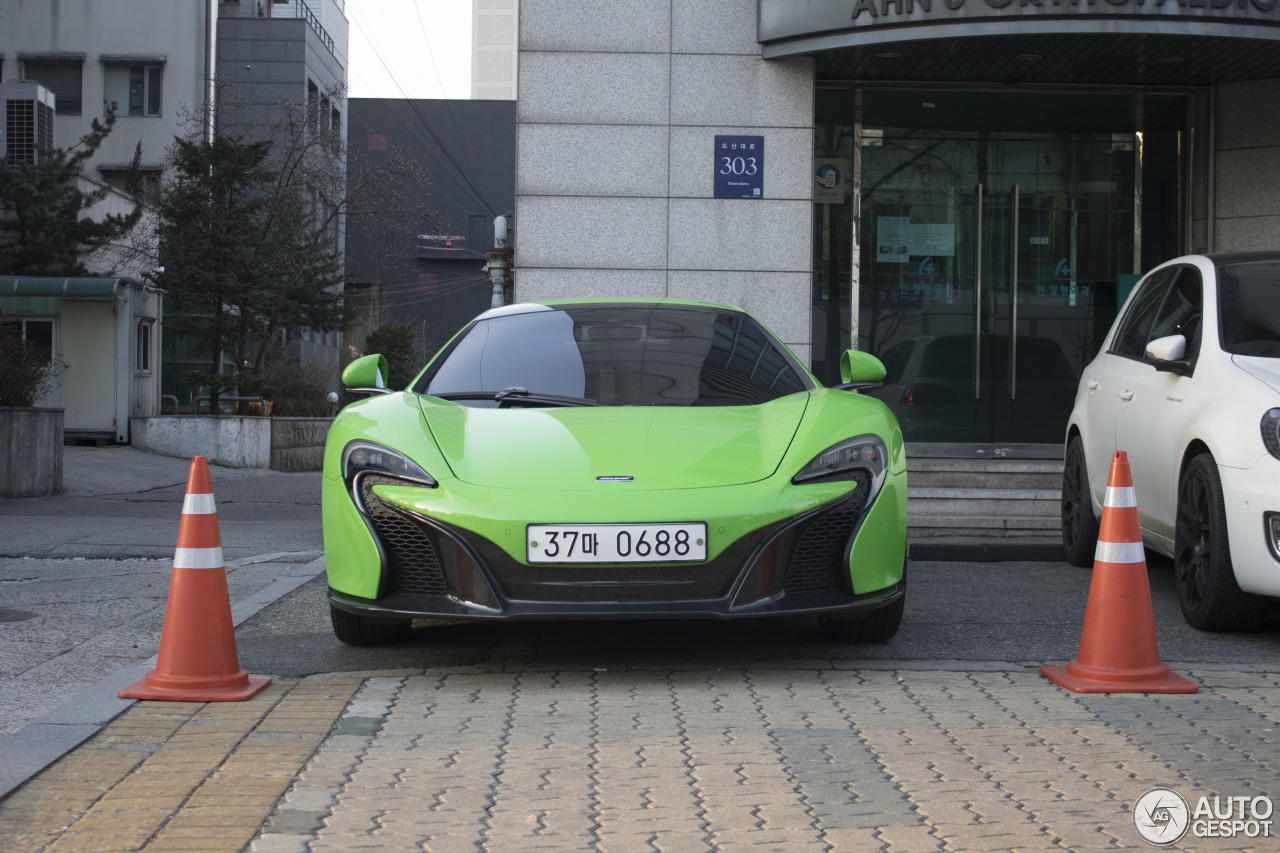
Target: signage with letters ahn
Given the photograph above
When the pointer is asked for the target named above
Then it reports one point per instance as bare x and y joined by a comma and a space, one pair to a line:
739, 167
787, 26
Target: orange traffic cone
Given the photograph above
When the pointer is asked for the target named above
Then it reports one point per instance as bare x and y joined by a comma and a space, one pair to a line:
1118, 652
197, 660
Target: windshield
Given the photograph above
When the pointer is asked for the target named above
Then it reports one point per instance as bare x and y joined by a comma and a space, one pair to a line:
1249, 307
619, 355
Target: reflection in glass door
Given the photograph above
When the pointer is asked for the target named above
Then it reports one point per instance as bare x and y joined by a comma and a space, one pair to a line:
987, 262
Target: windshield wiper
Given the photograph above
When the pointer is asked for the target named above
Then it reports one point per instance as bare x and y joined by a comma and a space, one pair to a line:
514, 394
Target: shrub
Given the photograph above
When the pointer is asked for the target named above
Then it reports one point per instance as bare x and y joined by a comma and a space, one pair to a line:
25, 376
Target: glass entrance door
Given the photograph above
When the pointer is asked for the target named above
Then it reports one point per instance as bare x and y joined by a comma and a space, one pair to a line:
987, 262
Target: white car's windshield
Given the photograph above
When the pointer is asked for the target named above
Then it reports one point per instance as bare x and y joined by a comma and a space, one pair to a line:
1249, 307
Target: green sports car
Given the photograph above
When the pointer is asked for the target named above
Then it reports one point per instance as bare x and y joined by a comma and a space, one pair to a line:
615, 459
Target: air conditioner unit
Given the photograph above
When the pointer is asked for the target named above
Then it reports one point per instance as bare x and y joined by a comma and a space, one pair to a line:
27, 132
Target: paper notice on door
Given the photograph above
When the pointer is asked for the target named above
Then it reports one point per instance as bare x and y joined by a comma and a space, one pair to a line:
893, 238
937, 239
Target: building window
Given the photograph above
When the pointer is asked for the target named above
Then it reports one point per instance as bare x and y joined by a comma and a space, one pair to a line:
37, 333
313, 106
143, 359
118, 177
134, 89
60, 77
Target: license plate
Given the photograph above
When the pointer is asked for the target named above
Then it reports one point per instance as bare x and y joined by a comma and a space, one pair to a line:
683, 542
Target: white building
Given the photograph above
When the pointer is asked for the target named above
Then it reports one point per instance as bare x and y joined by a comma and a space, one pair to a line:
494, 25
965, 189
156, 60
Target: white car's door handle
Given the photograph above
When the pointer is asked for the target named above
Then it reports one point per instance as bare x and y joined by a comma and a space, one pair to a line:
1092, 384
1125, 395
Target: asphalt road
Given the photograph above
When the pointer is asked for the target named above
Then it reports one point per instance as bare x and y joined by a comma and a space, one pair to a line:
85, 576
1022, 612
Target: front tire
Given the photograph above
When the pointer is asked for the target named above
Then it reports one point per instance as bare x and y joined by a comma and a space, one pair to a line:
1079, 525
1208, 594
367, 630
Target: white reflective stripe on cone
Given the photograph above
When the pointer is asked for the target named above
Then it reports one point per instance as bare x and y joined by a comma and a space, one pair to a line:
1119, 497
198, 558
1120, 552
198, 504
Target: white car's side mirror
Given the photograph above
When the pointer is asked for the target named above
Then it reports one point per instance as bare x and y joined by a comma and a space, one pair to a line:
1169, 348
1168, 354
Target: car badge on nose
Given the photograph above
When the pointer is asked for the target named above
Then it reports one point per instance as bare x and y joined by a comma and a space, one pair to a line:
615, 478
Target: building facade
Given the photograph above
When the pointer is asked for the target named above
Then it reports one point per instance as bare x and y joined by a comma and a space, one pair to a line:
966, 188
494, 24
88, 54
431, 279
275, 53
157, 63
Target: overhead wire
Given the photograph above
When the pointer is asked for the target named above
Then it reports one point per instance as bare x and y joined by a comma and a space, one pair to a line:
462, 173
448, 104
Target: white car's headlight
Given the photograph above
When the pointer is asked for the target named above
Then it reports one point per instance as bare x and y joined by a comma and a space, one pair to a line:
1271, 432
361, 456
843, 461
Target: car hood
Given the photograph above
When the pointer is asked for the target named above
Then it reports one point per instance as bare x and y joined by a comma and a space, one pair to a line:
1265, 369
571, 448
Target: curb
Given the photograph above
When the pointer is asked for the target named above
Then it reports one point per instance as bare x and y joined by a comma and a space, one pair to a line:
37, 745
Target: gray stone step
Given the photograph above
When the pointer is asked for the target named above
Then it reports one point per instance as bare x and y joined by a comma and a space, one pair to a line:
995, 502
958, 524
971, 474
973, 500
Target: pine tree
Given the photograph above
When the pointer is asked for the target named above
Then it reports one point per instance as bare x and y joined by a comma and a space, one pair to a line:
43, 229
244, 258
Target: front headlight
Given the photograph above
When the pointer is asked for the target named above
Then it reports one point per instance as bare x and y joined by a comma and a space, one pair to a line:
364, 456
1271, 432
845, 460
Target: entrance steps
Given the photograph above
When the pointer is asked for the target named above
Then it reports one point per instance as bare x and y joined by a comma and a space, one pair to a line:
977, 501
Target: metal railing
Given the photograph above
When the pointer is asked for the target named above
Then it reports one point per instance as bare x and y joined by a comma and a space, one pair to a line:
225, 398
300, 9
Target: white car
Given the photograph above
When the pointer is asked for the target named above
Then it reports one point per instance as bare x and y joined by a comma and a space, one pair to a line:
1187, 383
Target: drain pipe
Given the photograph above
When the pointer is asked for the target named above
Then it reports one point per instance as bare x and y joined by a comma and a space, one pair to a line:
1210, 189
499, 266
210, 66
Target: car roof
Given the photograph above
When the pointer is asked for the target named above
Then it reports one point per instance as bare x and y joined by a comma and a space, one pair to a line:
1219, 258
553, 304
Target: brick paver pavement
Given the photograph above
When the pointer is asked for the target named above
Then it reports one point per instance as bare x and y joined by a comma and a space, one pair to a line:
817, 758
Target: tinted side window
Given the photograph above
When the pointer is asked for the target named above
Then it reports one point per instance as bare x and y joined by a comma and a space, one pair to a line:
1249, 307
1133, 335
1181, 311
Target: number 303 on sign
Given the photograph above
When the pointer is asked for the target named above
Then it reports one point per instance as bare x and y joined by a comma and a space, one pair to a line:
738, 166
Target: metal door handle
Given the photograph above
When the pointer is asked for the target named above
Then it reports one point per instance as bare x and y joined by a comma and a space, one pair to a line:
1125, 395
977, 304
1092, 385
1013, 292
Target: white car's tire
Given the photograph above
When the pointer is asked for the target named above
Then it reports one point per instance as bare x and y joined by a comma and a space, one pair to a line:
1079, 526
1208, 594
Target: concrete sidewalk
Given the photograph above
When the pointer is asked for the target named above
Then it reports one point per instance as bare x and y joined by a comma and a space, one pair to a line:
86, 575
814, 758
